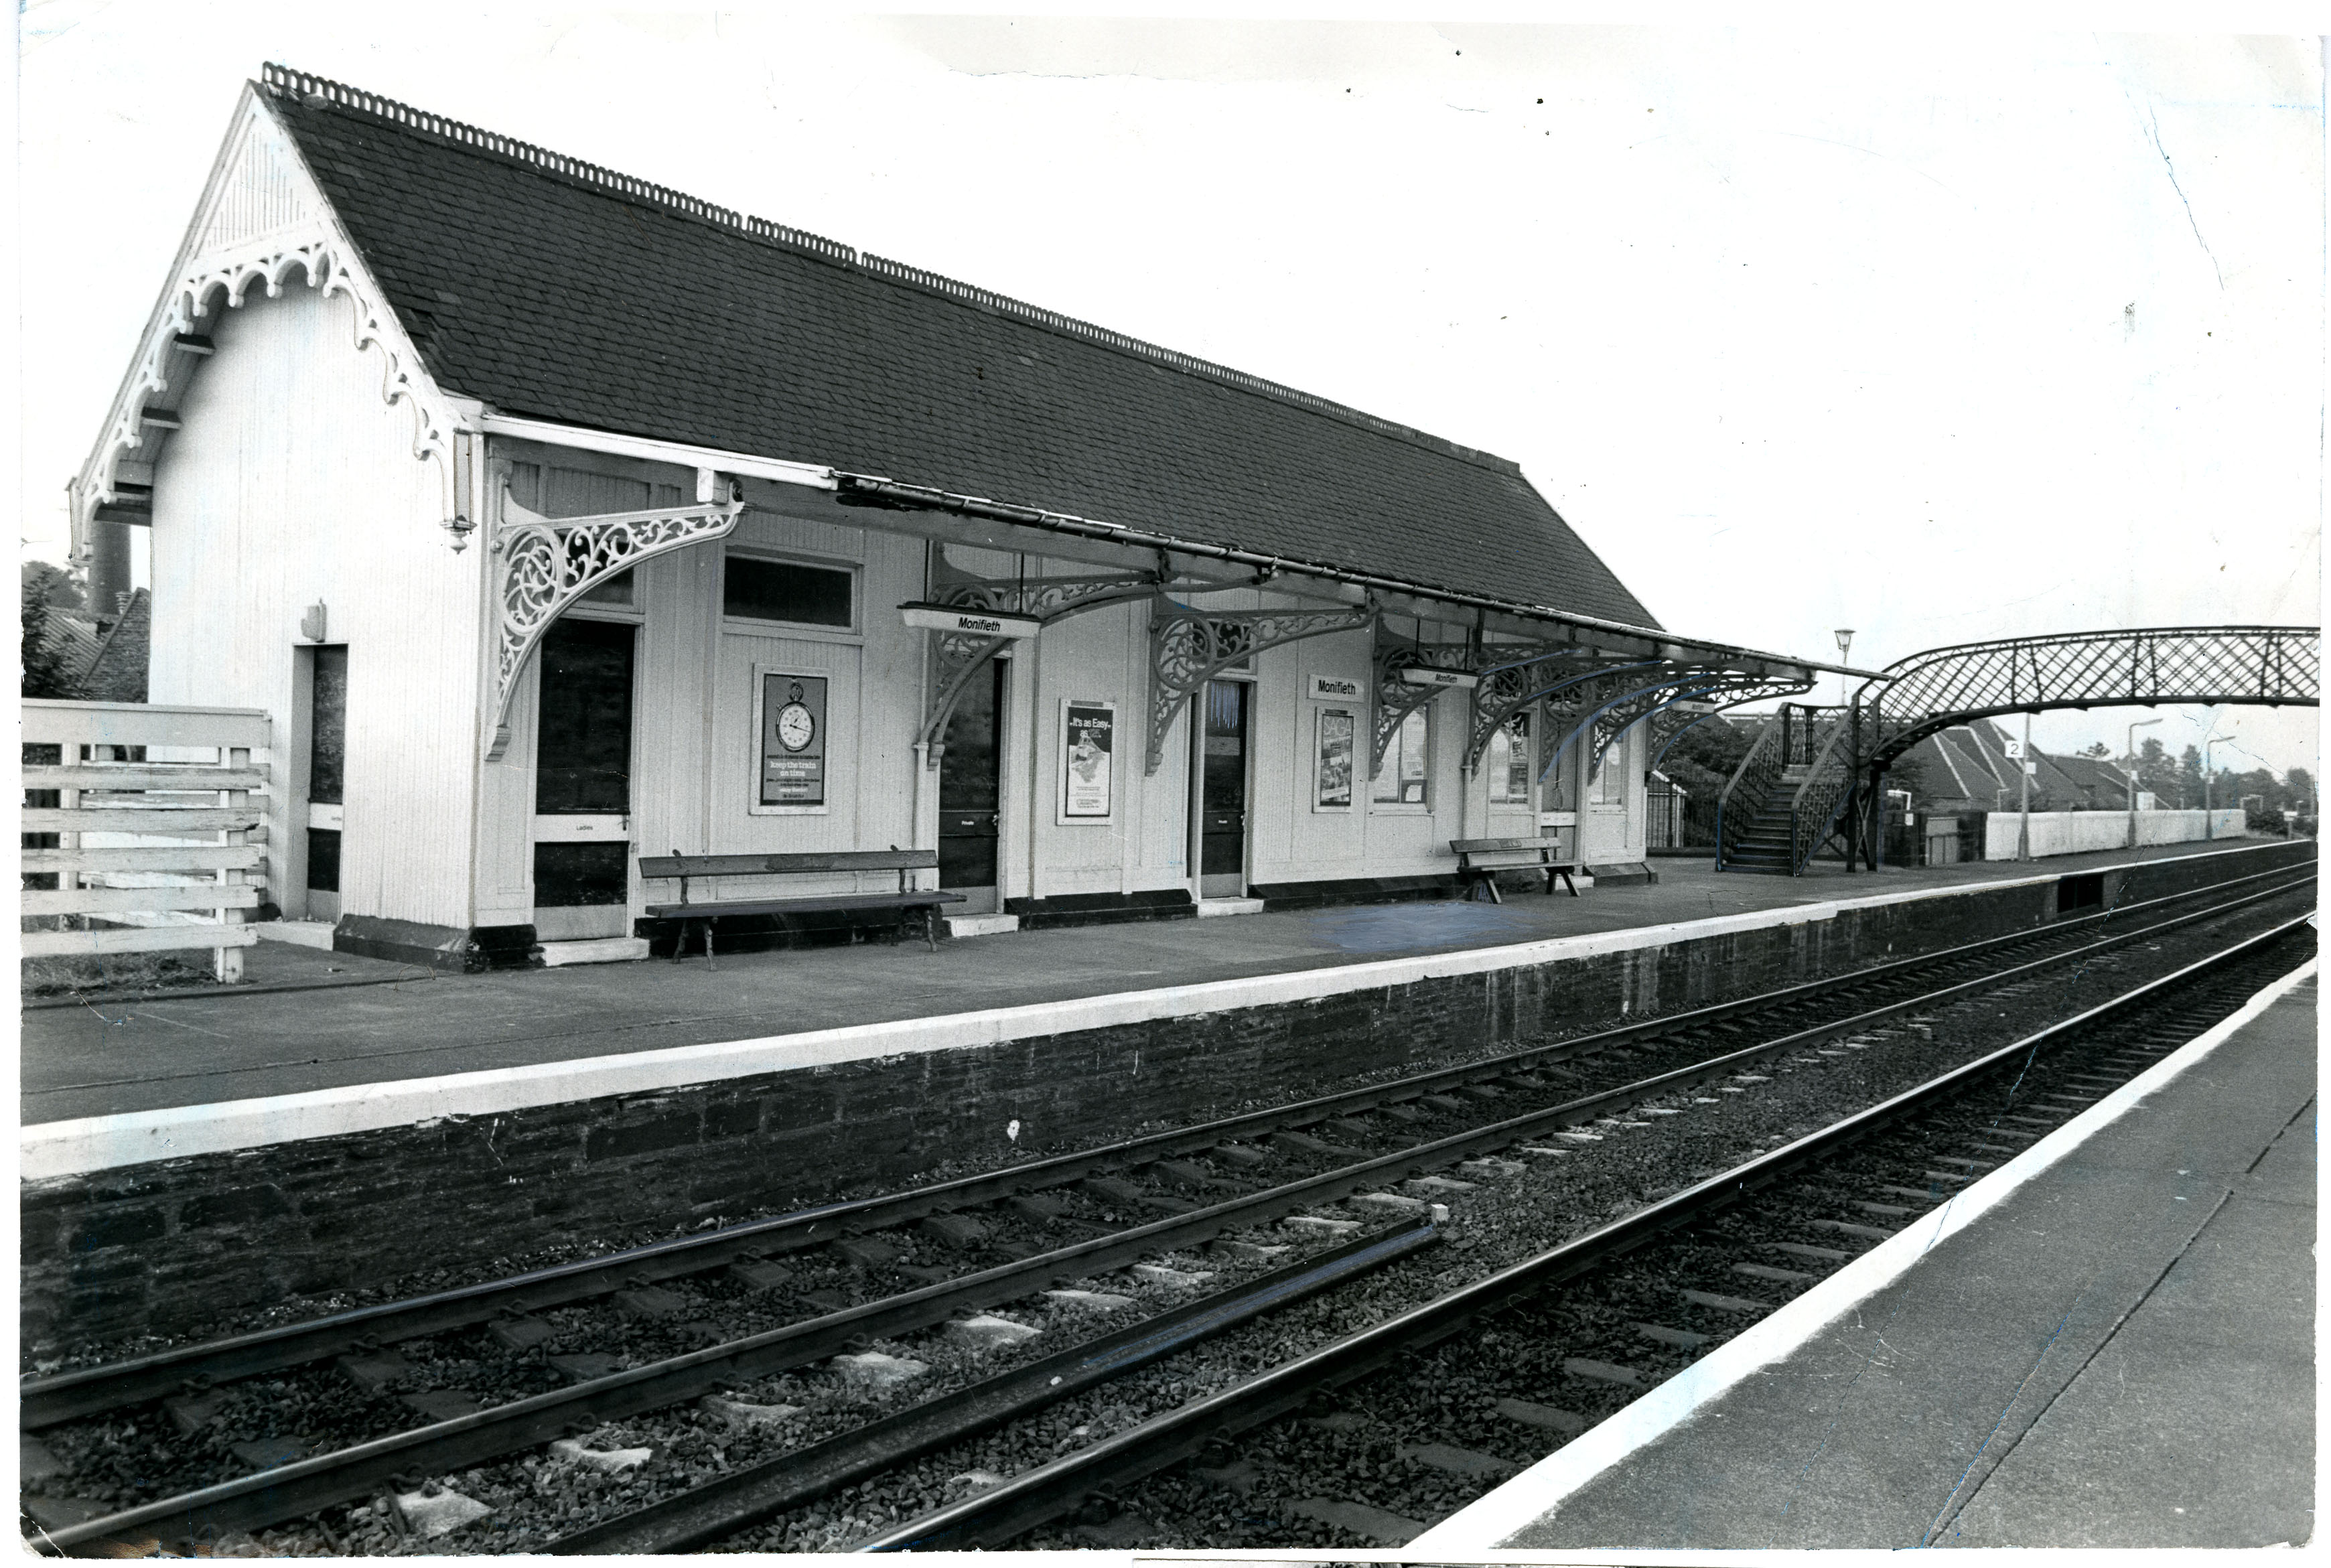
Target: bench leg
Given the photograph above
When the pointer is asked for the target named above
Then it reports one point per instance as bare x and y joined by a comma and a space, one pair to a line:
932, 926
1565, 882
708, 944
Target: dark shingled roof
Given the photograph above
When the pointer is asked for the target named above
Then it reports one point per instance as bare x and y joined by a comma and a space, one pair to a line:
550, 289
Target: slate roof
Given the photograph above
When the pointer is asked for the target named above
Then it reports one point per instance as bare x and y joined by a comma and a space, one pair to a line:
569, 294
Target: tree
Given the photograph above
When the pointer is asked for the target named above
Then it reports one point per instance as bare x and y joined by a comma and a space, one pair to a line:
46, 673
56, 586
2097, 749
1704, 756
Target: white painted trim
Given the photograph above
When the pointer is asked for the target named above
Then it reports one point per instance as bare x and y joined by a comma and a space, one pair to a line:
1486, 1524
594, 950
82, 1145
651, 450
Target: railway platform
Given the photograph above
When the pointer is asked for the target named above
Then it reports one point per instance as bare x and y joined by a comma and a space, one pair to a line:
161, 1141
318, 1021
2107, 1343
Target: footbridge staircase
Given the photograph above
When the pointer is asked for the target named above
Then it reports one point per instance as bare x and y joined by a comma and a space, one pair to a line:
1817, 774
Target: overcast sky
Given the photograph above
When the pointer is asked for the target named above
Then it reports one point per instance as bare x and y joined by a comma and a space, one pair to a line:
1941, 337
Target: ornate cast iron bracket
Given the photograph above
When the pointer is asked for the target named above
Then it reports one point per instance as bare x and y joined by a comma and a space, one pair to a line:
1697, 706
1396, 698
1510, 689
1615, 719
1581, 701
544, 564
1188, 648
958, 658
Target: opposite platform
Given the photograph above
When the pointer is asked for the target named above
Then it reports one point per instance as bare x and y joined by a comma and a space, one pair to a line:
2108, 1341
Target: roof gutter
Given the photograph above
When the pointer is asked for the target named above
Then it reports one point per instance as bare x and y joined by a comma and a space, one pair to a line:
865, 490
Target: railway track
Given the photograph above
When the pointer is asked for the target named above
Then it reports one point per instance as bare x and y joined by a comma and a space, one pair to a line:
703, 1316
1597, 1321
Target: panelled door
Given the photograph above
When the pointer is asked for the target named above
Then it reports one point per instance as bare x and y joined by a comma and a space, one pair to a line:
327, 755
583, 782
971, 792
1221, 790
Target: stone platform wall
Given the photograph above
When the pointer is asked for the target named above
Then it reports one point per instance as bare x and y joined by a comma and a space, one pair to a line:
171, 1246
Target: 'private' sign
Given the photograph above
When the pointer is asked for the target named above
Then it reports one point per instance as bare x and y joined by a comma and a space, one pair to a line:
968, 622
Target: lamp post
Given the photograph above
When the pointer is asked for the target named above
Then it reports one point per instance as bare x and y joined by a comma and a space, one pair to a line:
2209, 823
1845, 646
2130, 752
2023, 818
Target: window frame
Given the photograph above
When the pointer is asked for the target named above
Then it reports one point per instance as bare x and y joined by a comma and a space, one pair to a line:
1378, 805
754, 624
1505, 732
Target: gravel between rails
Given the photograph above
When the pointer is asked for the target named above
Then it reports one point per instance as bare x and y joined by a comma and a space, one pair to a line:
536, 1497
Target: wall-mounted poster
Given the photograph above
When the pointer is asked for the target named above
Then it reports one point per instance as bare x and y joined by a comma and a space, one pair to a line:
792, 740
1332, 791
1088, 760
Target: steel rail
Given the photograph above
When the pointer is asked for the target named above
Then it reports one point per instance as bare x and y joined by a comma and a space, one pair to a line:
45, 1402
253, 1502
746, 1497
996, 1516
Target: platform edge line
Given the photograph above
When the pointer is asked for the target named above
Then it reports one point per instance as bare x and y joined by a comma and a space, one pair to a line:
1492, 1520
83, 1145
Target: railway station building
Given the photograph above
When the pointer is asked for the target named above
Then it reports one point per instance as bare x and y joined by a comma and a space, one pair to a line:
557, 519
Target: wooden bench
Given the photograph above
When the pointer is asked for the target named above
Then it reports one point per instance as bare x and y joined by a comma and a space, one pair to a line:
1478, 861
706, 912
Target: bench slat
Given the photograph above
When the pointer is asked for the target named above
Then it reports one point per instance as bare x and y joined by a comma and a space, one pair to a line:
814, 904
788, 865
1498, 846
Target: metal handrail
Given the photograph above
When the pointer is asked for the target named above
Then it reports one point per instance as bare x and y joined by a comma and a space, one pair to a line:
1758, 771
1822, 797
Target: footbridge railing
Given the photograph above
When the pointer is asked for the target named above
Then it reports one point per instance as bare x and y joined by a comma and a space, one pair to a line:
1845, 757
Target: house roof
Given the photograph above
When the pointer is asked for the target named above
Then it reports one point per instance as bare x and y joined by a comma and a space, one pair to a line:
548, 288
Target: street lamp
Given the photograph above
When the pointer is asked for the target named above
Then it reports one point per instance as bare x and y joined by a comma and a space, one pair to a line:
2130, 752
1845, 646
2209, 823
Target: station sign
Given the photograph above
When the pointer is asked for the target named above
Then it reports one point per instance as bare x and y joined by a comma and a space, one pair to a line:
968, 622
1333, 689
1422, 676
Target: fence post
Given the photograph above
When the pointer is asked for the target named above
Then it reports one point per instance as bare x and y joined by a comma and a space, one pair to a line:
227, 962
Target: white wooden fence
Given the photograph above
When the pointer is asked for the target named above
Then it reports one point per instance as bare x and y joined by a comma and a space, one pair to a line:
161, 851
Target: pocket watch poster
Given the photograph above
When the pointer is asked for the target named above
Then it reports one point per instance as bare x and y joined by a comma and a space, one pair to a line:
1334, 788
792, 740
1088, 759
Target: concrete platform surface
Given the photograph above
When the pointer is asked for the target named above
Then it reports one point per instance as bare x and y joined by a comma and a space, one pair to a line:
99, 1059
2118, 1353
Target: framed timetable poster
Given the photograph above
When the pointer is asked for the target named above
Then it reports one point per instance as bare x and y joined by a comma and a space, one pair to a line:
794, 741
1332, 782
1088, 760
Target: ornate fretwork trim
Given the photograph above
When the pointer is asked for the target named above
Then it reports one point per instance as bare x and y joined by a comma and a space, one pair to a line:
263, 220
1188, 648
543, 564
1396, 698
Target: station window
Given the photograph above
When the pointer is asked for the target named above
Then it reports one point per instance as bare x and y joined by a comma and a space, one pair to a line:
1401, 779
754, 589
614, 590
1509, 763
